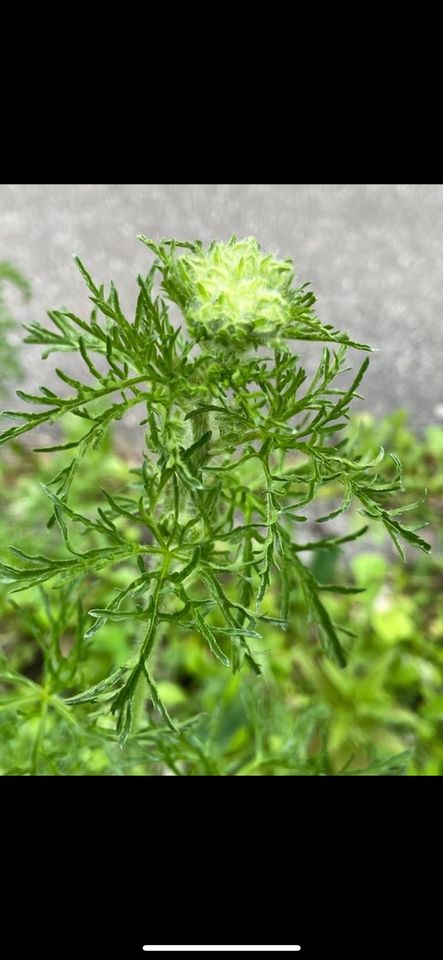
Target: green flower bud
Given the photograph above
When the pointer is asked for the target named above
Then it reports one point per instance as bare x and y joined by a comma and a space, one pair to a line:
233, 294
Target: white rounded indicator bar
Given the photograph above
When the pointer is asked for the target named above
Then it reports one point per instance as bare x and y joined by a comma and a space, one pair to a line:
286, 949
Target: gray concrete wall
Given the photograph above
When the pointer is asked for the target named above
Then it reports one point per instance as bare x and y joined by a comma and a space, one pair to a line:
373, 253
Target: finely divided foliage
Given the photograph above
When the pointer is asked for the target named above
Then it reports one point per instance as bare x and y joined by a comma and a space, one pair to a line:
237, 445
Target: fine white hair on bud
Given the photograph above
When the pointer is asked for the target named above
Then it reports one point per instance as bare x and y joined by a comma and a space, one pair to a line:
234, 294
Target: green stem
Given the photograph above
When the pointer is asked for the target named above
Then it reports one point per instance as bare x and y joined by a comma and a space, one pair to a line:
146, 652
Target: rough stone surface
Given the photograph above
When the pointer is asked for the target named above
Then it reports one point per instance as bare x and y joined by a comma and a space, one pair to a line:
373, 253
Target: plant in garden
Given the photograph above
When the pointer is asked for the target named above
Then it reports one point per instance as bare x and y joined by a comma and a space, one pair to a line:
238, 444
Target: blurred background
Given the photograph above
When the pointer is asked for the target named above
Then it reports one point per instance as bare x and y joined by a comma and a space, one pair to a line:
372, 252
374, 257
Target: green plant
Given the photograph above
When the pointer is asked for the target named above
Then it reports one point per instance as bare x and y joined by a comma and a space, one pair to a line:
302, 716
238, 445
391, 695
